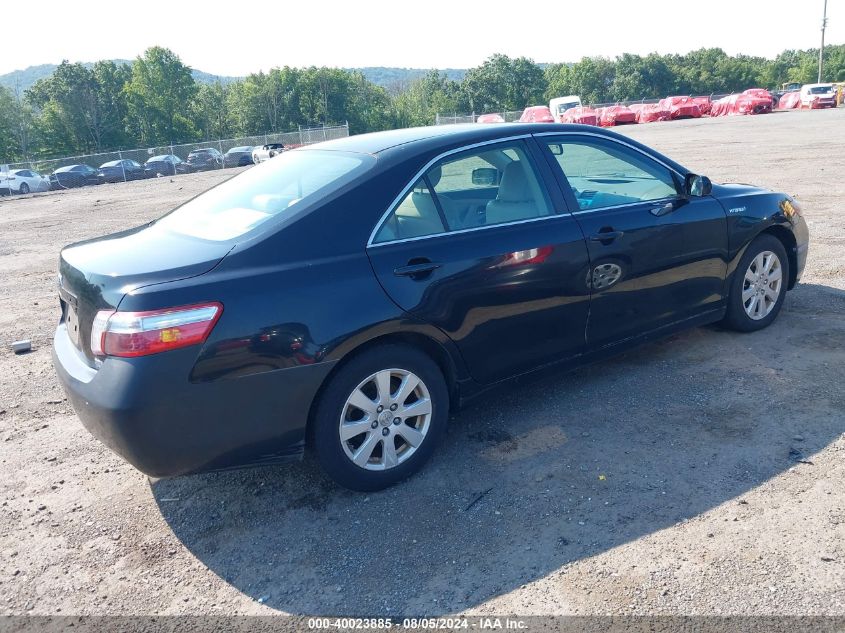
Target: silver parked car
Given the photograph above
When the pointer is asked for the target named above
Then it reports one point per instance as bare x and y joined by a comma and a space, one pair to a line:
266, 152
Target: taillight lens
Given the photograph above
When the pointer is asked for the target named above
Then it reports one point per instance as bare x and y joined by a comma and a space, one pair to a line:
128, 334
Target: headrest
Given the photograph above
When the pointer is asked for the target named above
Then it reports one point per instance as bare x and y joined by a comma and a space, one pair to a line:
514, 185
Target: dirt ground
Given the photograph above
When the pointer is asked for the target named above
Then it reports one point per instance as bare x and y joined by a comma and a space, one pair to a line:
702, 474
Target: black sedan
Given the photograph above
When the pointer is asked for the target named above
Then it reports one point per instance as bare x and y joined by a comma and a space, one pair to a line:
121, 171
165, 165
75, 176
347, 295
238, 157
205, 159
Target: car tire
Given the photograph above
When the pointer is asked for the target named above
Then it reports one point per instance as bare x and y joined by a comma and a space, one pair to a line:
368, 433
758, 287
24, 188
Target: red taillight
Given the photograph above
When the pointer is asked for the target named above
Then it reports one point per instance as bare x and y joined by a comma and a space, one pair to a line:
129, 334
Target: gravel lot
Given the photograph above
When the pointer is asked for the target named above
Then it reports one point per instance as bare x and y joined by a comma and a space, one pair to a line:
699, 475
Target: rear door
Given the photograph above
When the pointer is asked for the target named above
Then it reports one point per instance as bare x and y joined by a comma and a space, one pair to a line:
480, 246
656, 256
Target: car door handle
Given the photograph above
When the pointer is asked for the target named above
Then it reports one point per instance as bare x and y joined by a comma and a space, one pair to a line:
416, 271
606, 236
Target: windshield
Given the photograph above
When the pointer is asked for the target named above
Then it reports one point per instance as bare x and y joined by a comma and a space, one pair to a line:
563, 107
820, 90
252, 198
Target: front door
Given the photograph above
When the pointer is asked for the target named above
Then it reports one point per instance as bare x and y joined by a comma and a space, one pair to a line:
480, 247
657, 256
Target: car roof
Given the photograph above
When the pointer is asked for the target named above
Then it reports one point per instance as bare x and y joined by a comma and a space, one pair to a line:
435, 136
415, 142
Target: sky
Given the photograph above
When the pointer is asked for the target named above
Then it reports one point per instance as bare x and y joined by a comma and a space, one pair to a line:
227, 38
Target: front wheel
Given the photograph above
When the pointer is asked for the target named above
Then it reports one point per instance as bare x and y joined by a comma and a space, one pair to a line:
759, 283
381, 417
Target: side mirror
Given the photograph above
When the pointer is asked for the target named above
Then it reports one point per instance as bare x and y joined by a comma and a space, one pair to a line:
698, 186
485, 176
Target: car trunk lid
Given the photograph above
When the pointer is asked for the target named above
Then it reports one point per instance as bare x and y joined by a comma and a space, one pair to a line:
95, 275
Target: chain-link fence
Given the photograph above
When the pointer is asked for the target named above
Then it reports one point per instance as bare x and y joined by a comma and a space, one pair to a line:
452, 119
304, 136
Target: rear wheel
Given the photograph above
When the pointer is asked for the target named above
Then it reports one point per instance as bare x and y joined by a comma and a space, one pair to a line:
24, 188
758, 288
381, 417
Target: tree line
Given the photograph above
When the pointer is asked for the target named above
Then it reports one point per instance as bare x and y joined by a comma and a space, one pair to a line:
156, 101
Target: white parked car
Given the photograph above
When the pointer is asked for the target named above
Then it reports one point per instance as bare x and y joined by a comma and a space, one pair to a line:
266, 152
559, 105
818, 96
23, 181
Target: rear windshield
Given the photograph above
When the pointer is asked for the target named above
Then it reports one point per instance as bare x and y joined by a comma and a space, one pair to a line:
250, 199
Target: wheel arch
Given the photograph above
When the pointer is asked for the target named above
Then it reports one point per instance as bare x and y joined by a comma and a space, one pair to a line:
790, 245
423, 342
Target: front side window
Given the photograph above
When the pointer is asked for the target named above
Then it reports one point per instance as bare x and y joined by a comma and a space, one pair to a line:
487, 186
250, 199
606, 174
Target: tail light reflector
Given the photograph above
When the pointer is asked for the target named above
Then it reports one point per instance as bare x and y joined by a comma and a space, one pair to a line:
129, 334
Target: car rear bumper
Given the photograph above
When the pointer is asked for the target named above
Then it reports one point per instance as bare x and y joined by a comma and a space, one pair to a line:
147, 411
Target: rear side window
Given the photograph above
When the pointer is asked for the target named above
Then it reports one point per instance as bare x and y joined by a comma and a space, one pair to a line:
488, 186
250, 199
415, 216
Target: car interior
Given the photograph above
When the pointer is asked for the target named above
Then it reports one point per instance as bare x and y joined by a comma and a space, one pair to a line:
603, 177
483, 189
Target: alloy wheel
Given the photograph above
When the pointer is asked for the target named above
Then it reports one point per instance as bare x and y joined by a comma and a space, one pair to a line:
762, 285
385, 419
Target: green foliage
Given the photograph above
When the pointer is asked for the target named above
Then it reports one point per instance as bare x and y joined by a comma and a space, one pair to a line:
502, 84
9, 146
423, 99
157, 100
158, 95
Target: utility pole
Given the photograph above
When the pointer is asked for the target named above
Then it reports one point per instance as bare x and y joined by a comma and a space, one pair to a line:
821, 50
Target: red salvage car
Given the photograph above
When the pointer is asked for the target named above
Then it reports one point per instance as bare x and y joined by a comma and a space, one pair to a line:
584, 116
537, 114
741, 104
649, 112
681, 107
616, 115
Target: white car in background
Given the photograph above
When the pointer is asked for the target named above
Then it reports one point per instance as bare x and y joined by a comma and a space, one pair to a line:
559, 105
818, 96
260, 153
23, 181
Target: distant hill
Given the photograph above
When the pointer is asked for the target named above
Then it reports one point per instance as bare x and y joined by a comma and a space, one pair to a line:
387, 77
24, 79
379, 75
